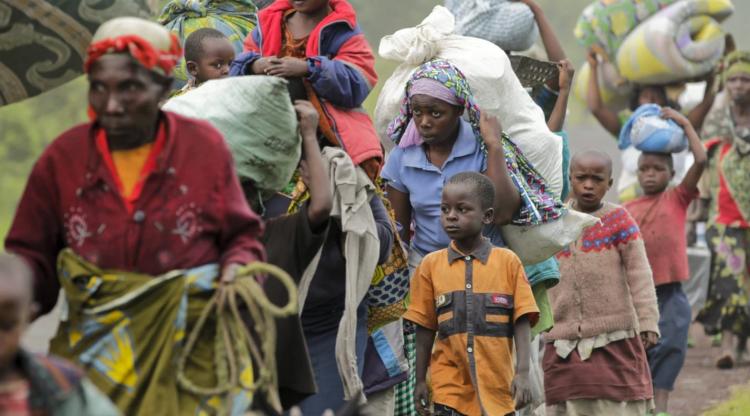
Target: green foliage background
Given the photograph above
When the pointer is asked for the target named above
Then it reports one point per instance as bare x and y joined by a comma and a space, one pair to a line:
26, 127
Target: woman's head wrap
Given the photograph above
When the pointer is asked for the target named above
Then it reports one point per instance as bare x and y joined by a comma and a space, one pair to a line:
438, 79
737, 62
149, 43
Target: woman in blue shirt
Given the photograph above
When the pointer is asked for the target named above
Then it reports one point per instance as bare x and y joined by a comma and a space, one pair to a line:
435, 143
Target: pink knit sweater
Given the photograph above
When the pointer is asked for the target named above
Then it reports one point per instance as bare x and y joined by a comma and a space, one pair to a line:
606, 282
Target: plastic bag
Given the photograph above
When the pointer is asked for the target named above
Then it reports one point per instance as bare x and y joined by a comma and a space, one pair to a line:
647, 131
495, 86
258, 121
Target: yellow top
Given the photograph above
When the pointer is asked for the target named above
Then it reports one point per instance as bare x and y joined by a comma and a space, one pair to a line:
129, 166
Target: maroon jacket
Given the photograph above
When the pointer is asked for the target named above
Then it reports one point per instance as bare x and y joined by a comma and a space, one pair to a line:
191, 212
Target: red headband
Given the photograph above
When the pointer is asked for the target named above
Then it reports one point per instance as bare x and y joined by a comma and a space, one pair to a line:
139, 49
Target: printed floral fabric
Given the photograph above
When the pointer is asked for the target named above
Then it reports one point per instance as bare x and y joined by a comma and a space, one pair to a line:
538, 206
728, 304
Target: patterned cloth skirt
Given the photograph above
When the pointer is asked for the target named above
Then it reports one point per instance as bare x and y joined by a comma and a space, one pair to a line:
727, 306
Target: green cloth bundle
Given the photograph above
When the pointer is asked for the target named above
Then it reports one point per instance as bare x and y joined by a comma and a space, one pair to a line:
258, 121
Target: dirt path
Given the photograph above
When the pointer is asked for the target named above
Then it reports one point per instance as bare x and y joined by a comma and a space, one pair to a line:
701, 385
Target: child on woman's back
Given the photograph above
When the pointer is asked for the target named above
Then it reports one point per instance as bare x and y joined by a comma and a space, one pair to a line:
661, 214
208, 55
604, 307
320, 43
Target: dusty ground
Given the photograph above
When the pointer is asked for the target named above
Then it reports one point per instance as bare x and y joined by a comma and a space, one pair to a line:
701, 385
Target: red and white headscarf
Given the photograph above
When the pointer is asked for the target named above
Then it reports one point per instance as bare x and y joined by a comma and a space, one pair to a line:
149, 43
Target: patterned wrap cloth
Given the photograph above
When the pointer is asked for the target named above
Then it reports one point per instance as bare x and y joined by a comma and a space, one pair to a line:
538, 206
125, 330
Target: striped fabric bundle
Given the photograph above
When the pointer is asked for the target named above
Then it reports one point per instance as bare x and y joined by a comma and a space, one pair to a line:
683, 41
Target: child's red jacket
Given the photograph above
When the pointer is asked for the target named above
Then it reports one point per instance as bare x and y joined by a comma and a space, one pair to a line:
342, 71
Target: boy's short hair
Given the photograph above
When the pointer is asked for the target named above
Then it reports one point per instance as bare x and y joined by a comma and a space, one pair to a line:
194, 42
593, 154
13, 267
667, 157
485, 189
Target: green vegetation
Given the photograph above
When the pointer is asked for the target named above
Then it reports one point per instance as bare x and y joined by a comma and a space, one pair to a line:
738, 405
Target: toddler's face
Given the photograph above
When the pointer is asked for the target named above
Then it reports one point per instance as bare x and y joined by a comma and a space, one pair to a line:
215, 60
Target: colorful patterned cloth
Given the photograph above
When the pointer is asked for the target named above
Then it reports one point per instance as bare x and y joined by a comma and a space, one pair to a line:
234, 18
127, 329
44, 42
604, 24
538, 206
683, 41
727, 305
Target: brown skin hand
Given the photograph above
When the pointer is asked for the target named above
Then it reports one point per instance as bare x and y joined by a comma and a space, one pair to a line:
125, 97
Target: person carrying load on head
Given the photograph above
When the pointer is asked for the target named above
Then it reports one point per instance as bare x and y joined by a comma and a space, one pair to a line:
138, 215
728, 228
318, 43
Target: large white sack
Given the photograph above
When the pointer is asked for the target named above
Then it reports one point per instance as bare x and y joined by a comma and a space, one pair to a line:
535, 244
493, 82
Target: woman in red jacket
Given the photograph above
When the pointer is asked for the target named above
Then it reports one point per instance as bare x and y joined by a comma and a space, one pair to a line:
136, 189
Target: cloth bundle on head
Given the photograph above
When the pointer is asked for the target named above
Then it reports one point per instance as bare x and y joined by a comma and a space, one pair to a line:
258, 121
682, 41
508, 24
147, 42
234, 18
647, 131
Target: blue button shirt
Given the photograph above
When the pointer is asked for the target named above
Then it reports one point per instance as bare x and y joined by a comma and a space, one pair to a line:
409, 171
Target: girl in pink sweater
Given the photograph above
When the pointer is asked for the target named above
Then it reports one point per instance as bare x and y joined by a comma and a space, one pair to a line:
605, 308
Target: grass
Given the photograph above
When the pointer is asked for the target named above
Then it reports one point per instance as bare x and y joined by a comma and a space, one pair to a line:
737, 405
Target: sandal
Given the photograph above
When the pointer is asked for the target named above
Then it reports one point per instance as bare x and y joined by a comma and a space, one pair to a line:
725, 362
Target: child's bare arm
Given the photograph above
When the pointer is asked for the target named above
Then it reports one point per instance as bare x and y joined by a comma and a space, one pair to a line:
312, 168
606, 117
557, 118
693, 175
552, 45
521, 387
425, 341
